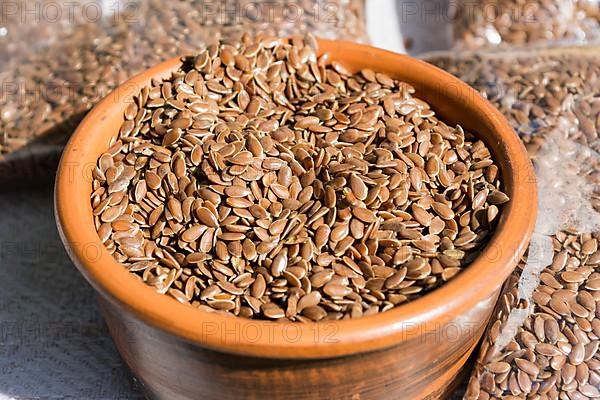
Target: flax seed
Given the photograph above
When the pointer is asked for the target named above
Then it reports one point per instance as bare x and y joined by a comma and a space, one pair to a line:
287, 204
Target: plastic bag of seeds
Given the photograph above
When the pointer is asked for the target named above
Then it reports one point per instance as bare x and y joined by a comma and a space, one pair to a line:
543, 339
58, 59
481, 23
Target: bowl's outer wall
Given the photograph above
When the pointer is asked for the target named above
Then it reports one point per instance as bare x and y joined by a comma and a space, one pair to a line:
378, 357
169, 368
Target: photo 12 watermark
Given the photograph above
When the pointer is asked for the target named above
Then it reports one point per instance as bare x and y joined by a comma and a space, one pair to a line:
36, 12
204, 12
469, 11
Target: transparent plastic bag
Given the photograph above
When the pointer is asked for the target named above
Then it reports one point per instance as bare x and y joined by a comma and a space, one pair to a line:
484, 23
59, 59
543, 339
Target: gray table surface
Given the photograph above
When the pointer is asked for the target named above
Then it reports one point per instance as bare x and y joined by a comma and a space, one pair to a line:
53, 342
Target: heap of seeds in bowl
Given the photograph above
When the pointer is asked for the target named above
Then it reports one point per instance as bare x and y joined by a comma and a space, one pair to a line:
263, 181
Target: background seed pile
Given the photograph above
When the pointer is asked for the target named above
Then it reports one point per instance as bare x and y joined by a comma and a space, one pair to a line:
540, 92
555, 353
509, 23
53, 72
263, 182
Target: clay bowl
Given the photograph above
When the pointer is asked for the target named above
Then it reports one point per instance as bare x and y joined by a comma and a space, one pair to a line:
414, 351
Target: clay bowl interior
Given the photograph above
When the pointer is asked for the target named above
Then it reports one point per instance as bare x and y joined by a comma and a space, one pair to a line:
454, 102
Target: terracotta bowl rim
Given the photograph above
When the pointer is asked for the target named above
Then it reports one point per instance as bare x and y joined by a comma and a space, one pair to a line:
281, 340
